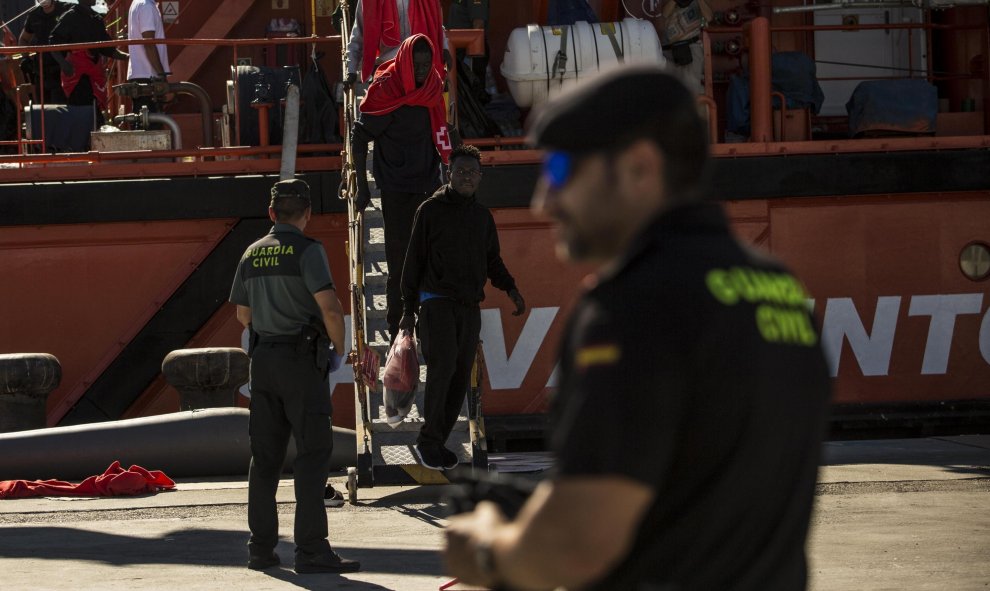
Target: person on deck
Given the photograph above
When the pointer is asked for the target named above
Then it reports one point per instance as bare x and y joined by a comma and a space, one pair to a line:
682, 24
84, 78
403, 113
453, 252
693, 393
380, 27
144, 21
37, 29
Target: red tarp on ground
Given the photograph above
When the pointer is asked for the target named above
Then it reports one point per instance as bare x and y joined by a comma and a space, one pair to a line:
115, 481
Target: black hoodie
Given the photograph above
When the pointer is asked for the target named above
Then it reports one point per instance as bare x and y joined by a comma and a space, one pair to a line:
453, 251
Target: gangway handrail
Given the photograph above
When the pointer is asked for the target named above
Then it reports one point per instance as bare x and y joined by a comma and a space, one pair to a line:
360, 351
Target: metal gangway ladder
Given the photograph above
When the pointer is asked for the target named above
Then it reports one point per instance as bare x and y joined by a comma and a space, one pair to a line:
385, 452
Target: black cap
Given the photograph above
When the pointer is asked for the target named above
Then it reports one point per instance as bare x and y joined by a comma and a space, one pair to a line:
610, 110
290, 188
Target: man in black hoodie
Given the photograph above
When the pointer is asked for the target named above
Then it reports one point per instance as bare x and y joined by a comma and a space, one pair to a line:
453, 251
84, 77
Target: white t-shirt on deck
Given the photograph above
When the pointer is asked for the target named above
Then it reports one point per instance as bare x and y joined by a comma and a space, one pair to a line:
142, 17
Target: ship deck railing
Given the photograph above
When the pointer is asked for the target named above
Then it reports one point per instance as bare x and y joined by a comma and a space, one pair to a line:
34, 163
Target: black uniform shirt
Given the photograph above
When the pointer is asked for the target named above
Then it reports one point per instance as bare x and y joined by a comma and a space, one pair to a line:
695, 370
80, 24
40, 24
277, 277
453, 251
406, 159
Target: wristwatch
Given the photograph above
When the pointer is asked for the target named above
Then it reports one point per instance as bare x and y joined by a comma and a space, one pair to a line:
484, 559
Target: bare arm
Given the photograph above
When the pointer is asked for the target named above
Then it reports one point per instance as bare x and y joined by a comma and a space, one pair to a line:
333, 318
152, 52
546, 547
243, 315
25, 38
63, 62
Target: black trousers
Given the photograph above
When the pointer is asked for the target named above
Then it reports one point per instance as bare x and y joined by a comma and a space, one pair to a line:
54, 95
289, 395
398, 211
449, 334
82, 94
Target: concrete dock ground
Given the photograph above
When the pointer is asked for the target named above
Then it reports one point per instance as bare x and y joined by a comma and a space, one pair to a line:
890, 514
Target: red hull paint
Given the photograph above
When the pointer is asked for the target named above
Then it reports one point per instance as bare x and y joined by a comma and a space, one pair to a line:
81, 292
896, 247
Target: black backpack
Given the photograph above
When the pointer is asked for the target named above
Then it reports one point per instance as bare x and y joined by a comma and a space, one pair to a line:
318, 121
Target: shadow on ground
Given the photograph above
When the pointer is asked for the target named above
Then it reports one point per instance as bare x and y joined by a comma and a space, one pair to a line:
967, 455
204, 547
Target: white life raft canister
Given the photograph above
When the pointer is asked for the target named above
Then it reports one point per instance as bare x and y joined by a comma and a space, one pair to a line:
539, 61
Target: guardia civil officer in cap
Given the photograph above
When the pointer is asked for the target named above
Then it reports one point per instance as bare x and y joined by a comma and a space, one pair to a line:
286, 297
693, 391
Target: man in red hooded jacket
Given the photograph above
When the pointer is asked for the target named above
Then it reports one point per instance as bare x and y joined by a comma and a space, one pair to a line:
403, 113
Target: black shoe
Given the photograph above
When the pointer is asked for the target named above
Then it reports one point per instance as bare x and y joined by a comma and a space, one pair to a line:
325, 563
332, 497
429, 455
264, 561
449, 458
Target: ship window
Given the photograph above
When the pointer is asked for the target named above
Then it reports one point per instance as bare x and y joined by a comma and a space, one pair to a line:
974, 261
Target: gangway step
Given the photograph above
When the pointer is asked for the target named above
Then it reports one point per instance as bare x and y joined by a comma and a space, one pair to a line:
410, 425
414, 420
399, 453
375, 280
374, 314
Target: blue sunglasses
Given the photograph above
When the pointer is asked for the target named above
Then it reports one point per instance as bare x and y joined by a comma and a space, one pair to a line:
557, 168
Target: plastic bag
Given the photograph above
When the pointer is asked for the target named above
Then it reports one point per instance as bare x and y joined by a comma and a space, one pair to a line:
401, 378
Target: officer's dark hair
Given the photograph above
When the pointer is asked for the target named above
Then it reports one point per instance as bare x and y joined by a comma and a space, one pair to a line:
464, 151
628, 104
290, 199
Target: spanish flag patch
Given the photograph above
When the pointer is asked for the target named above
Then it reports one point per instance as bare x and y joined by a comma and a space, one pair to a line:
597, 355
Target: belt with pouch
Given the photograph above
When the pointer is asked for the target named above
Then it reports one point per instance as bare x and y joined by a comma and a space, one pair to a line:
308, 341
